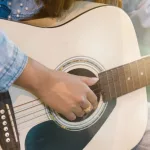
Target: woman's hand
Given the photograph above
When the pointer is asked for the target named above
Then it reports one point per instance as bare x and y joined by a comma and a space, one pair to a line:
67, 94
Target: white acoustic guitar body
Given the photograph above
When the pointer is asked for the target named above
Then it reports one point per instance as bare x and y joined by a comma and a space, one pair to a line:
105, 34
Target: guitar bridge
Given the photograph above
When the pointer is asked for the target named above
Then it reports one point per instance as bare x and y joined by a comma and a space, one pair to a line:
9, 137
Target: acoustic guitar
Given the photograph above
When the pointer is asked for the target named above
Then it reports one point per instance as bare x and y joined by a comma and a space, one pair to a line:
99, 42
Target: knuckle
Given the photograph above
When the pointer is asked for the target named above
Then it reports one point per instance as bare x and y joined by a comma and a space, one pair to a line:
79, 99
73, 107
82, 99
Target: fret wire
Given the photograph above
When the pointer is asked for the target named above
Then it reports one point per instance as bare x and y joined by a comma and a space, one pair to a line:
125, 78
108, 85
131, 76
114, 84
122, 81
116, 76
119, 81
129, 71
145, 72
111, 83
138, 72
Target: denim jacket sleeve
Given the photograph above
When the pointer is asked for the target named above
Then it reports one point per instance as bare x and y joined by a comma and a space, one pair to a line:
12, 62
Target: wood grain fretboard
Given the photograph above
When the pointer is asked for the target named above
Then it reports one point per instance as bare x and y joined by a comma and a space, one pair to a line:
125, 79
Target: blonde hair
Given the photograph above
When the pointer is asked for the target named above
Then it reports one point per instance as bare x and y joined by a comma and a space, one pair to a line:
54, 8
117, 3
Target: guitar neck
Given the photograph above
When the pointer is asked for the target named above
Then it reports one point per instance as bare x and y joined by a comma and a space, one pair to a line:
125, 79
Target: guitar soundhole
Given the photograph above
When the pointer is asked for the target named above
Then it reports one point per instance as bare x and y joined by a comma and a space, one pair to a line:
94, 88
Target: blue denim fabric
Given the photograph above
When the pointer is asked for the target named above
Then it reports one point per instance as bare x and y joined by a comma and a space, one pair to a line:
12, 62
19, 9
4, 10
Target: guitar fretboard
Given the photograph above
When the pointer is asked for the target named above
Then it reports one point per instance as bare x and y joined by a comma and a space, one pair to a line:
125, 79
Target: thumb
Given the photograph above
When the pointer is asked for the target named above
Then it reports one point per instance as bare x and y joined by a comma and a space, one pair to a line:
89, 81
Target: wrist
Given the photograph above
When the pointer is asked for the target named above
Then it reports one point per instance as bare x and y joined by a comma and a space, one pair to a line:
34, 77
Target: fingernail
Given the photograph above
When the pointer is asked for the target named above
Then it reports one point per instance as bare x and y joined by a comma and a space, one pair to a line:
95, 107
73, 117
95, 79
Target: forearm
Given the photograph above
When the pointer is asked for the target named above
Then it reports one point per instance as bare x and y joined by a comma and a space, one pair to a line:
33, 76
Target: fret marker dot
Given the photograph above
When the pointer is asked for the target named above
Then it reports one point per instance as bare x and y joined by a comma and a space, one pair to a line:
128, 78
142, 73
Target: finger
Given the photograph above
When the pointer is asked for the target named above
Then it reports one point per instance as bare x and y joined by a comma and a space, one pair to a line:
89, 81
89, 109
92, 99
78, 111
70, 116
84, 103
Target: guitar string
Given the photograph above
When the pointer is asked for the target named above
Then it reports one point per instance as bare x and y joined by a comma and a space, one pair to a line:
22, 117
32, 112
28, 108
17, 112
20, 128
26, 103
31, 118
33, 124
18, 118
38, 111
35, 112
39, 121
40, 103
18, 124
45, 119
37, 100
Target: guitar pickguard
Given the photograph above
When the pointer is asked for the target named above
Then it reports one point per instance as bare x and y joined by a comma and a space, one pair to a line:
49, 136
